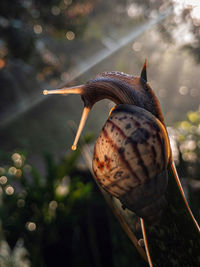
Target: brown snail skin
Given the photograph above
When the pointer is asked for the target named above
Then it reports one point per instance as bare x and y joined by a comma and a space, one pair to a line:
132, 152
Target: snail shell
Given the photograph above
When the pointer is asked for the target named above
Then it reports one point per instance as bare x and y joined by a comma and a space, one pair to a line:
130, 161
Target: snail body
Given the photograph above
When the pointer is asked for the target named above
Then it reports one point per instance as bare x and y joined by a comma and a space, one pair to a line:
132, 153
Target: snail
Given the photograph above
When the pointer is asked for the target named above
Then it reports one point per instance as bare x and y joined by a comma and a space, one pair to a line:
132, 153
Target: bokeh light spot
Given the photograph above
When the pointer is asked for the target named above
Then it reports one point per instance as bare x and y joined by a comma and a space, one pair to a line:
16, 156
193, 117
183, 90
55, 10
67, 2
134, 10
53, 205
70, 35
2, 63
18, 173
65, 76
9, 190
37, 29
63, 188
31, 226
3, 180
2, 170
12, 170
136, 46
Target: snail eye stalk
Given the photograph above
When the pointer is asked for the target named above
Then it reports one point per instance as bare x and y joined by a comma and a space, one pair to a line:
84, 116
73, 90
77, 90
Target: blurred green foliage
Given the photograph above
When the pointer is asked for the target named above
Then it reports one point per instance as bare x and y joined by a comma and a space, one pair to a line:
188, 140
60, 215
52, 17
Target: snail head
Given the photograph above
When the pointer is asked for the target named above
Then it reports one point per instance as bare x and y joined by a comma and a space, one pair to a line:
119, 87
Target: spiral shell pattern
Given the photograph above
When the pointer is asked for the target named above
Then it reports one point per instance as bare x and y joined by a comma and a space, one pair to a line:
131, 156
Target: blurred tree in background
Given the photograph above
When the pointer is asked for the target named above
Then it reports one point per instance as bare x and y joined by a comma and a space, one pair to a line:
30, 32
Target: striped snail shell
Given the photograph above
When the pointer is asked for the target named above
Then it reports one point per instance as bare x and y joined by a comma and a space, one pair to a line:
132, 153
130, 161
